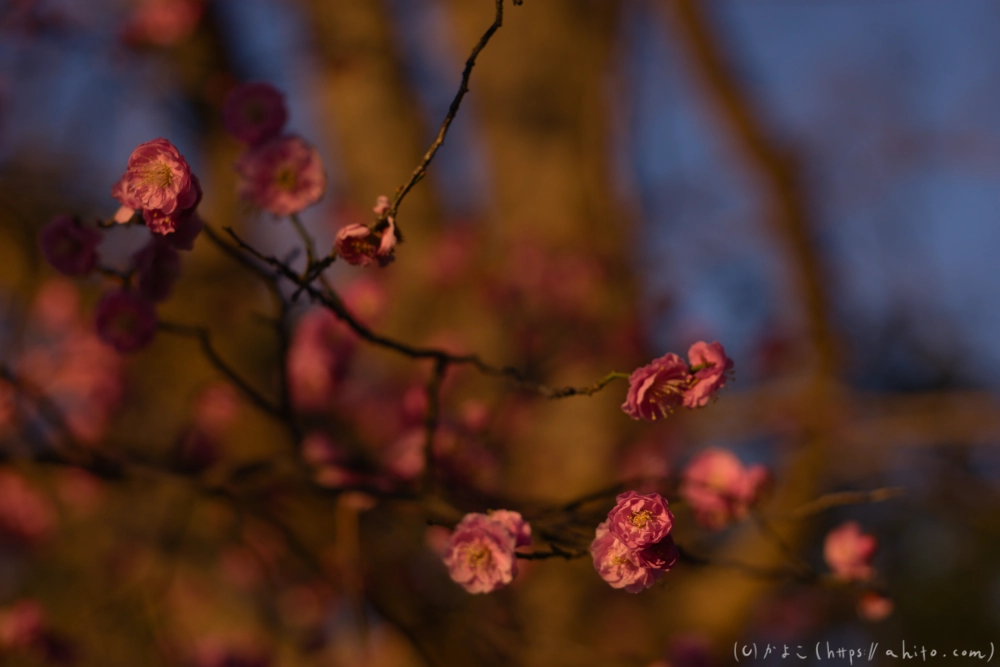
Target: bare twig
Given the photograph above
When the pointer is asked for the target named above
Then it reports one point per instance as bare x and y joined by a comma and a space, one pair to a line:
202, 335
463, 88
829, 500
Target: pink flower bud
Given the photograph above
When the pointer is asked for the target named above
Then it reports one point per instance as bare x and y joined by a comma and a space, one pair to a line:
719, 489
640, 520
254, 112
849, 552
157, 181
158, 266
70, 247
712, 363
125, 321
480, 554
283, 175
657, 388
620, 565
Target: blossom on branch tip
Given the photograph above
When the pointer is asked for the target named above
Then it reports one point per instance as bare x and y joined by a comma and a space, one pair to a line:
254, 112
849, 552
709, 365
359, 245
157, 181
657, 388
283, 175
70, 247
125, 321
720, 489
640, 520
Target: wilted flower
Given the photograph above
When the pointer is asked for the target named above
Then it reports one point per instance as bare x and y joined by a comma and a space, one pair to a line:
254, 112
849, 552
656, 389
480, 554
719, 488
640, 520
125, 321
70, 247
712, 364
283, 175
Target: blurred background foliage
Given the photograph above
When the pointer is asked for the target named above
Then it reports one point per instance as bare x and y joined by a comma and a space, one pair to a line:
813, 184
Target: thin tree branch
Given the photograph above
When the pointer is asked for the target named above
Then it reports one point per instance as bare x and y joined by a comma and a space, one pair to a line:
463, 88
202, 335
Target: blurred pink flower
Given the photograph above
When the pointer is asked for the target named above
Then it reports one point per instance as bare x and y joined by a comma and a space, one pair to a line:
125, 321
657, 388
515, 523
162, 22
21, 625
366, 299
719, 489
70, 247
216, 408
640, 520
620, 565
404, 458
283, 175
254, 112
158, 181
874, 607
25, 516
158, 266
315, 358
480, 554
849, 552
358, 245
712, 363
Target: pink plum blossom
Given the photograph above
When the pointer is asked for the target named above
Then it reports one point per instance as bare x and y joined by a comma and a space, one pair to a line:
849, 552
157, 181
515, 523
254, 112
640, 520
359, 245
283, 175
21, 625
158, 266
480, 554
70, 247
125, 321
719, 488
620, 565
657, 388
662, 555
712, 364
25, 516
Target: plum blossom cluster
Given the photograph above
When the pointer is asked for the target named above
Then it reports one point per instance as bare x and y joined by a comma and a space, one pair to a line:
720, 489
363, 245
279, 173
157, 183
664, 384
480, 555
634, 548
